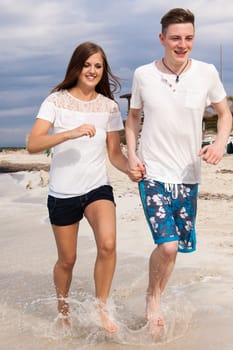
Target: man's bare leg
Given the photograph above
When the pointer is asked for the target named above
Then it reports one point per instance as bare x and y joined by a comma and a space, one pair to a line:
162, 261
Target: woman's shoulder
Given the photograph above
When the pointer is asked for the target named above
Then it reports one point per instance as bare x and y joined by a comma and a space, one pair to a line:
107, 104
56, 96
62, 99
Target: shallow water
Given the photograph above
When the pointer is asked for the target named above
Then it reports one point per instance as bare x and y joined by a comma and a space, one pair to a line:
28, 321
28, 311
197, 304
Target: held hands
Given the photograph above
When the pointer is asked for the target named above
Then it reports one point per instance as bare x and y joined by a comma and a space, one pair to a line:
212, 154
136, 169
82, 130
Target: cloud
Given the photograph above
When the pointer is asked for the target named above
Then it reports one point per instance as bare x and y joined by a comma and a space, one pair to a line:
38, 38
13, 137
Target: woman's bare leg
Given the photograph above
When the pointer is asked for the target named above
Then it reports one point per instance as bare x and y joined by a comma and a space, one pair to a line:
102, 217
66, 241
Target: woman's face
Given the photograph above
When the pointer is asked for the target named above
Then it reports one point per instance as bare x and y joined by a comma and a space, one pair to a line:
92, 71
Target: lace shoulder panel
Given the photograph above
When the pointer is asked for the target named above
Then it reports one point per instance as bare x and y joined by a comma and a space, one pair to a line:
63, 99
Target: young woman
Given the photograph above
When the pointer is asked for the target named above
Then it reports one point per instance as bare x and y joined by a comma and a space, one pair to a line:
85, 120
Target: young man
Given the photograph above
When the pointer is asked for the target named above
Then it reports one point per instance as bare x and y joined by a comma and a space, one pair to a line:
173, 93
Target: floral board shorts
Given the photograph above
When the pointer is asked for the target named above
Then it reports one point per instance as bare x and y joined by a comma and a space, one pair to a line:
170, 210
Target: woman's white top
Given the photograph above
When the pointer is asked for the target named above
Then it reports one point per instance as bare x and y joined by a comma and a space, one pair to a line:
79, 165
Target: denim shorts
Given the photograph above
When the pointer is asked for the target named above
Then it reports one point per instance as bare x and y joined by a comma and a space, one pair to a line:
67, 211
170, 210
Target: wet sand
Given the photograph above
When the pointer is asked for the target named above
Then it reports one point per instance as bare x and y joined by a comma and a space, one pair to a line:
197, 303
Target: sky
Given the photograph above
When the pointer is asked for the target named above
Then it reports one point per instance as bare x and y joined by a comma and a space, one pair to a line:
37, 39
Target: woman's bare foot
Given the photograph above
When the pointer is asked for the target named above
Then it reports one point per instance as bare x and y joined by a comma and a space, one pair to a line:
63, 323
63, 318
105, 320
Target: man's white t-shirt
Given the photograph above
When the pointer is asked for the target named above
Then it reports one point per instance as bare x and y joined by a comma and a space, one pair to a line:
79, 165
173, 112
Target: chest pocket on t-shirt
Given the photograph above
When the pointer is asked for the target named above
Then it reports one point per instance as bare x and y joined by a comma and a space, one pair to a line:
194, 99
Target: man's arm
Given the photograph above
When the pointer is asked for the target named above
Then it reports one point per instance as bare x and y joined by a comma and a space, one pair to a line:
213, 153
132, 128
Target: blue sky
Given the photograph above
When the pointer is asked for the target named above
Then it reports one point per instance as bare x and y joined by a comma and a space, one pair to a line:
37, 39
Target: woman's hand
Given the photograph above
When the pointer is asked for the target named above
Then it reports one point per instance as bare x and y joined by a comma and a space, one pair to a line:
82, 130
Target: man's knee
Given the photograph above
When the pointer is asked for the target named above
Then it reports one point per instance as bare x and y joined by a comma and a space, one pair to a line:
169, 249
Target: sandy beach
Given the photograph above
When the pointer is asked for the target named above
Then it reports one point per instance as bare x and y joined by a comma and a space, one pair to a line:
197, 304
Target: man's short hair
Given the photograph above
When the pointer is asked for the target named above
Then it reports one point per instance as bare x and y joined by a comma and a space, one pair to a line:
176, 15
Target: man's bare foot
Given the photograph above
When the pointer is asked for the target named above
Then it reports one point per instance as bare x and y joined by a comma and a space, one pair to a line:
105, 320
155, 318
156, 321
153, 311
156, 328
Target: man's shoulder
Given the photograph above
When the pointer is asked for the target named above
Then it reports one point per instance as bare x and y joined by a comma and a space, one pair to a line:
145, 67
201, 64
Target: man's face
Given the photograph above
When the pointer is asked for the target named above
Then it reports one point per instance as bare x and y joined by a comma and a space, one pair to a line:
178, 42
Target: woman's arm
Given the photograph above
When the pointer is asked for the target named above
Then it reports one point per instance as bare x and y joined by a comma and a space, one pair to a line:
118, 159
39, 139
115, 154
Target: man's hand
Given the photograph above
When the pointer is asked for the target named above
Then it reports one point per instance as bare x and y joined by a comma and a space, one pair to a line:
136, 169
212, 154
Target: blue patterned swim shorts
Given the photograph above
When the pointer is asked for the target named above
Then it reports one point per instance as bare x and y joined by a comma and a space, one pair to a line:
170, 210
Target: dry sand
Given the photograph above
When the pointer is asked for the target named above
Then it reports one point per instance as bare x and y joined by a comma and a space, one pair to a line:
198, 302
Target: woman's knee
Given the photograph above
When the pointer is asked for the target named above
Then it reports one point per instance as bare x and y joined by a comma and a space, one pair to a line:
67, 263
107, 248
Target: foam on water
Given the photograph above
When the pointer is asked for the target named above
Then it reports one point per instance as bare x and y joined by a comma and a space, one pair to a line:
34, 323
193, 301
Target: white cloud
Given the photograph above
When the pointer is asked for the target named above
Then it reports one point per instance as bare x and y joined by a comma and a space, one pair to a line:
37, 39
13, 136
16, 112
202, 9
214, 32
43, 27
